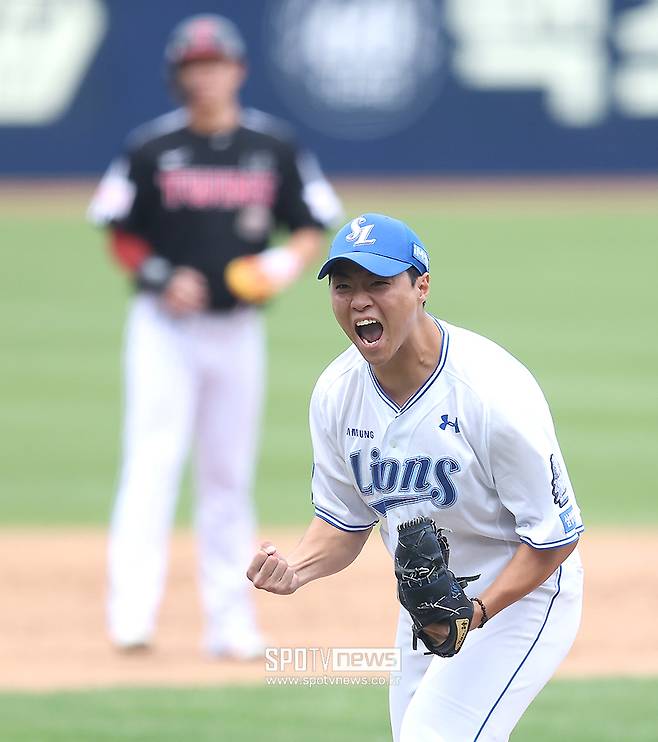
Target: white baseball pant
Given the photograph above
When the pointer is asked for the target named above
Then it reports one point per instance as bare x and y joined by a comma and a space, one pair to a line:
199, 380
482, 692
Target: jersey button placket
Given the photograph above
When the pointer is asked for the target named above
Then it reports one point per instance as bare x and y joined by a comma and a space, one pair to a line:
394, 436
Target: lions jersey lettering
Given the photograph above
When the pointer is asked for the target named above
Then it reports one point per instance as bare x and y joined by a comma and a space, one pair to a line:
474, 449
391, 475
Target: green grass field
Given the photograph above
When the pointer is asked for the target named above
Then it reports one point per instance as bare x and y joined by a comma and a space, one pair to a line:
596, 711
569, 291
572, 295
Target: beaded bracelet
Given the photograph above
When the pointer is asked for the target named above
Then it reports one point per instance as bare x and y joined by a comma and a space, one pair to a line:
483, 608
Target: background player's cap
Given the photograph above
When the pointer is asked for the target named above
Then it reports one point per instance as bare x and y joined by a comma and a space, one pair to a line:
206, 36
380, 244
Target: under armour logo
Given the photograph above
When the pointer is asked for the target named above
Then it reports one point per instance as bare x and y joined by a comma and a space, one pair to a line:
360, 232
447, 422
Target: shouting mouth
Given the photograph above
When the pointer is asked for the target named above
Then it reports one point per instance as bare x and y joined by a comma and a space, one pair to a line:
369, 331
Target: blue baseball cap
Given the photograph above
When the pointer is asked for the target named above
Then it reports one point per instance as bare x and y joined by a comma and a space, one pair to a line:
380, 244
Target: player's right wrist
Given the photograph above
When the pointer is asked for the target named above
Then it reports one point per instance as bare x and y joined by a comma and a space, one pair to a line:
305, 569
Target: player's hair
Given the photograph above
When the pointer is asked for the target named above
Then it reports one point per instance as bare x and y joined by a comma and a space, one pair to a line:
414, 274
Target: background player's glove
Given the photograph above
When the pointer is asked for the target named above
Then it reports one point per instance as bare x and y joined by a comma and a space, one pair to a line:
257, 278
428, 589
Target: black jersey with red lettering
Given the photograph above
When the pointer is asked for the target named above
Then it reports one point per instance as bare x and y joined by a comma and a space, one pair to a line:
200, 201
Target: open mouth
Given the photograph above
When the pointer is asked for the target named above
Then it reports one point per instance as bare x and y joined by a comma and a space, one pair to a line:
369, 331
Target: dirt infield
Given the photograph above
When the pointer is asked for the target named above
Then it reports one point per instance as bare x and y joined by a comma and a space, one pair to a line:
52, 634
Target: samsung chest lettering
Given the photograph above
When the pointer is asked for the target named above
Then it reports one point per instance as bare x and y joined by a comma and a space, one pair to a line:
415, 478
359, 433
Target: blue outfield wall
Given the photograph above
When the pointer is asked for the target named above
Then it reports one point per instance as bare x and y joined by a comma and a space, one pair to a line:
379, 86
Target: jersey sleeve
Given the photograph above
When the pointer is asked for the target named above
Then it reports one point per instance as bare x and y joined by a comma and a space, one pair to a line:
528, 469
126, 193
335, 498
305, 197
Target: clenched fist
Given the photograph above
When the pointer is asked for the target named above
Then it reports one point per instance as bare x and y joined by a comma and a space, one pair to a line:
270, 571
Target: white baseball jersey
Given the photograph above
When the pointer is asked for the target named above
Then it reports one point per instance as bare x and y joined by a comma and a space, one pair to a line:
474, 448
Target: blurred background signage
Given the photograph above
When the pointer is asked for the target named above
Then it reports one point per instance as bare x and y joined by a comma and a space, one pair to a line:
435, 86
46, 48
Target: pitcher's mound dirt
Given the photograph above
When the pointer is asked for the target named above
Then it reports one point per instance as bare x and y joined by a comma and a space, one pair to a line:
52, 624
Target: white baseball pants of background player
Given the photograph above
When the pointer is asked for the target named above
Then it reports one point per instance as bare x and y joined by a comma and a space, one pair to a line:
199, 380
481, 693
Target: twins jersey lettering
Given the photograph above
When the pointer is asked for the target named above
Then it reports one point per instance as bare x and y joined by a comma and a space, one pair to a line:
200, 201
474, 448
217, 187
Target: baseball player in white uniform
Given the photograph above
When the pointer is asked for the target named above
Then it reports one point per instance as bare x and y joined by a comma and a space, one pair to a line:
423, 418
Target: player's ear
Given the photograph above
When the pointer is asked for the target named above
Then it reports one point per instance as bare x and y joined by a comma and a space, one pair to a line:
423, 287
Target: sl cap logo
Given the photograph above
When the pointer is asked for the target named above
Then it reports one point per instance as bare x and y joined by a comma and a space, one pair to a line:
360, 232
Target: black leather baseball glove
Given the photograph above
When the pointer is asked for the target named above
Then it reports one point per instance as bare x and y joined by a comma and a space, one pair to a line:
428, 589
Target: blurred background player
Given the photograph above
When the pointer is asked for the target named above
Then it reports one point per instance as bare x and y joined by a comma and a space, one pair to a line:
195, 189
